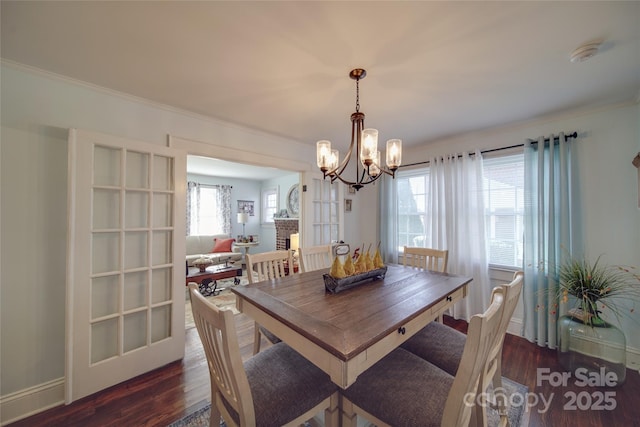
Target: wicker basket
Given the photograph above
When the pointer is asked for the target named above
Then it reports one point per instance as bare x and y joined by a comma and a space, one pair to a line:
202, 266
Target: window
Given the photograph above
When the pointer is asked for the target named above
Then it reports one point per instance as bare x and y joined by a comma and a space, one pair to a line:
269, 204
413, 212
205, 220
208, 209
504, 209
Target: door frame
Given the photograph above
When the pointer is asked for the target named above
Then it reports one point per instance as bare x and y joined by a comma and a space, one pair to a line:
199, 148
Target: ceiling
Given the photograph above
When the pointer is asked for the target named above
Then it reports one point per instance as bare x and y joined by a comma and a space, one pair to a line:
434, 69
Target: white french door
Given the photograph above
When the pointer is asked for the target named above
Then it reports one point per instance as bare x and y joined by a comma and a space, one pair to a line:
125, 271
324, 219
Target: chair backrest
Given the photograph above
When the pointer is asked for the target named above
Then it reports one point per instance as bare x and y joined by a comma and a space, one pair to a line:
481, 334
315, 258
268, 265
510, 293
426, 258
217, 332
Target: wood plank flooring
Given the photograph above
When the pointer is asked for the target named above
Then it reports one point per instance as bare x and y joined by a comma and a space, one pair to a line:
165, 395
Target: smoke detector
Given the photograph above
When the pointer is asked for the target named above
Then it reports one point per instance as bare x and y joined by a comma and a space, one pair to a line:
585, 52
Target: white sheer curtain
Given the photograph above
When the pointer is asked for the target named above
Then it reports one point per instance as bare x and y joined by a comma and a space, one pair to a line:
457, 224
550, 233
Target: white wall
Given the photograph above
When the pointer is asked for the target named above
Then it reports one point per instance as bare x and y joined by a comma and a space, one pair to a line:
361, 224
37, 109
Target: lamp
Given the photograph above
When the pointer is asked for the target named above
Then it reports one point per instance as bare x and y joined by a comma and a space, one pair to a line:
294, 245
243, 218
365, 143
294, 241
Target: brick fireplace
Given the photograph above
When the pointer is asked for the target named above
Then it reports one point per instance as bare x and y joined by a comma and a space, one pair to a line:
284, 228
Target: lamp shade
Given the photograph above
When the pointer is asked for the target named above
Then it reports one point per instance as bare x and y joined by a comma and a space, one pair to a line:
243, 217
294, 241
394, 153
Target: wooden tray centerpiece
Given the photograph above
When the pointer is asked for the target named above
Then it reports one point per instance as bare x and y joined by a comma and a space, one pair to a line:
350, 274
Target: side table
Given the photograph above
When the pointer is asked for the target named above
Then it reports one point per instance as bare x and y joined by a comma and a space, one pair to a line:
246, 247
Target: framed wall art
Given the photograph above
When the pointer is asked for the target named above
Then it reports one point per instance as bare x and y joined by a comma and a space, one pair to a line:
246, 206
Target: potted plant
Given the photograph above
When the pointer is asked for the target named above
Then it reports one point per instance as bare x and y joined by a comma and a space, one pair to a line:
586, 340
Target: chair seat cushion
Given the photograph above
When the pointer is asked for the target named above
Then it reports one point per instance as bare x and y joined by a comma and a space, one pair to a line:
284, 385
402, 390
438, 344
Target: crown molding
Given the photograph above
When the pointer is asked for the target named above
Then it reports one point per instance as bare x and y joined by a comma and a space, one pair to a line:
136, 99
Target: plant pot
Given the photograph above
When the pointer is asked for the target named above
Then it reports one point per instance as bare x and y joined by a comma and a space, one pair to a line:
597, 347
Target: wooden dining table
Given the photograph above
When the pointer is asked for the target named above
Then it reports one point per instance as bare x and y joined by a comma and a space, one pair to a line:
347, 332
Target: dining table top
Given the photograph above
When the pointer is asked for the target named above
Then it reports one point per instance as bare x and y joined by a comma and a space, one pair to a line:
347, 323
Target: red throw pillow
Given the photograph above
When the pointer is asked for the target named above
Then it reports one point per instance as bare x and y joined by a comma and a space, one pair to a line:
222, 245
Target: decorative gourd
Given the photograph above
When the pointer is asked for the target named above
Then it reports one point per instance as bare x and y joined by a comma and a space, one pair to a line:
368, 261
360, 265
377, 259
337, 270
348, 266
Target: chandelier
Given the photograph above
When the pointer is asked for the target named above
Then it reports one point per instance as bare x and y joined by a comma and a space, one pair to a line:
365, 144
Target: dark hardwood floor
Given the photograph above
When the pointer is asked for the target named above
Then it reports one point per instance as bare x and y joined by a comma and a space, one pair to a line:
166, 394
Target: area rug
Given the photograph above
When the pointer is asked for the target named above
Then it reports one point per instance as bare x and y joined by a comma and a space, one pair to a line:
225, 299
198, 415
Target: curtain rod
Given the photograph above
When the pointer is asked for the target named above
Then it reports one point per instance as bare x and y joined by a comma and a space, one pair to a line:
573, 134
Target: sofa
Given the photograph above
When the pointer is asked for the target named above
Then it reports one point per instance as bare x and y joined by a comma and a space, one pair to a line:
219, 248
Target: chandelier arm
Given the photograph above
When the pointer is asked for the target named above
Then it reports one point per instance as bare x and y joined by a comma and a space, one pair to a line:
343, 165
373, 179
361, 181
359, 124
362, 177
392, 174
341, 179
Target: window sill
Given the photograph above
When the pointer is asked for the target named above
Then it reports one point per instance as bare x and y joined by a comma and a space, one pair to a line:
504, 268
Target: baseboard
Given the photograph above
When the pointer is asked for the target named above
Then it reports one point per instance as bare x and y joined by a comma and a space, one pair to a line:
30, 401
633, 358
633, 354
515, 327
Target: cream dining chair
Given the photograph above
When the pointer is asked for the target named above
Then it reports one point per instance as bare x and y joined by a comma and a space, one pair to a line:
267, 266
315, 257
243, 394
405, 390
443, 346
426, 259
